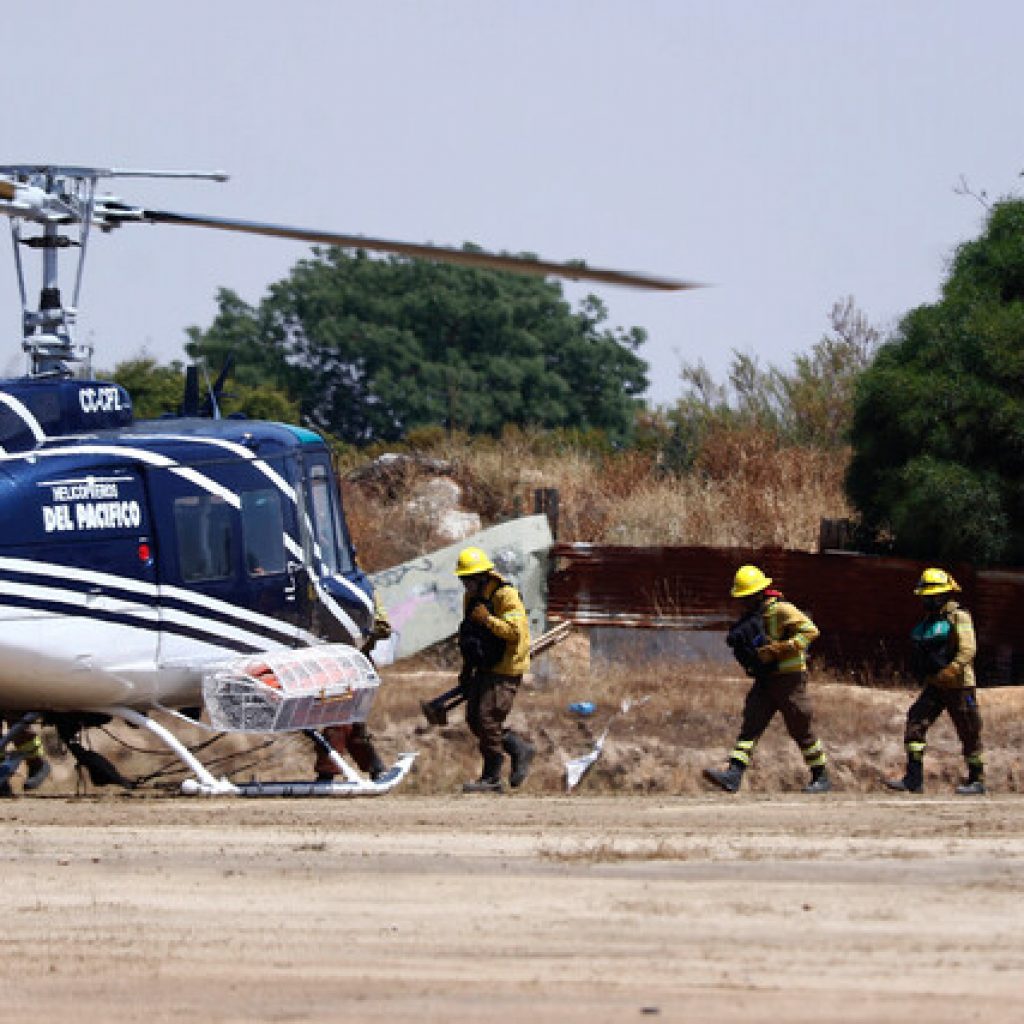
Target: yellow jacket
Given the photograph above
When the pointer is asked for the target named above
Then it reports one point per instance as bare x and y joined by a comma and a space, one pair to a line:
508, 621
790, 632
959, 673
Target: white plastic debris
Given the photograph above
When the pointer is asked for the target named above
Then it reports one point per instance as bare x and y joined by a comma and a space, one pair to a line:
579, 766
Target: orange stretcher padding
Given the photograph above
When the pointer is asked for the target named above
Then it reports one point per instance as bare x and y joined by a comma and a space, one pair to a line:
321, 680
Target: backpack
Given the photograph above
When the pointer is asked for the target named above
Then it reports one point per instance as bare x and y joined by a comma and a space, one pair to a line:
932, 647
479, 647
745, 636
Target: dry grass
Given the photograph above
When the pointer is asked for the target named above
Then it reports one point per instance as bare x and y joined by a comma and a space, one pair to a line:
688, 723
744, 490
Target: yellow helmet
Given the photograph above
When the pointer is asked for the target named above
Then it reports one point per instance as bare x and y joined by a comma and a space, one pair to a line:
749, 580
936, 581
472, 561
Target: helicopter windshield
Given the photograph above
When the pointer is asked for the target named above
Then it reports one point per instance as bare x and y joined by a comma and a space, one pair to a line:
326, 523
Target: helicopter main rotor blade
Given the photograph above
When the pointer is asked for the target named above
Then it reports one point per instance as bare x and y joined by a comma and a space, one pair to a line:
441, 254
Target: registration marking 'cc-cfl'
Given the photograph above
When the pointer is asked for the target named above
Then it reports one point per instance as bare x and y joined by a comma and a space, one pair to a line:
106, 399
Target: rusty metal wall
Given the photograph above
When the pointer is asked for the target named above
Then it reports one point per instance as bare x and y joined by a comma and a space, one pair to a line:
863, 604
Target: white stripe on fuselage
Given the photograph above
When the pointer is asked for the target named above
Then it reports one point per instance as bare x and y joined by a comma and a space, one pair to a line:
22, 412
238, 449
98, 602
198, 602
139, 454
338, 612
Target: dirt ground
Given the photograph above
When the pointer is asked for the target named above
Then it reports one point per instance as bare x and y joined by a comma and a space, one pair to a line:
640, 895
550, 908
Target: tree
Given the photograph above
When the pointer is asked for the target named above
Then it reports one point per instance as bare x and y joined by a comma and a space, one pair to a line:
259, 402
373, 348
818, 396
154, 389
938, 429
809, 406
159, 390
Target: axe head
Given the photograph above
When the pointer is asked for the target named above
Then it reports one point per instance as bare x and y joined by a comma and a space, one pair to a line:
434, 712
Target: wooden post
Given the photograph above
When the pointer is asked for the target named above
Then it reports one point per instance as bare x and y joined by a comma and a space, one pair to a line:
545, 499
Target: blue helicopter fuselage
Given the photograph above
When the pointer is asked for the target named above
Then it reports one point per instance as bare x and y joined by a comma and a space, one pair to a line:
134, 557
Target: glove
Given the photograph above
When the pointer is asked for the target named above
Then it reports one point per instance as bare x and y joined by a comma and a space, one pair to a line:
381, 628
480, 614
772, 651
947, 676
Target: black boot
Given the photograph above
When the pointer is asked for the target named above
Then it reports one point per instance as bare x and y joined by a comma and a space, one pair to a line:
820, 782
490, 777
975, 784
521, 753
730, 779
370, 762
913, 778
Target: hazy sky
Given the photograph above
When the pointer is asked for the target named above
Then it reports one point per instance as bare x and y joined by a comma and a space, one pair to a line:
789, 153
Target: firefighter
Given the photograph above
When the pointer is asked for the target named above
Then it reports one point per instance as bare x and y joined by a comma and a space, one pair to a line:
28, 747
770, 640
942, 657
494, 639
355, 738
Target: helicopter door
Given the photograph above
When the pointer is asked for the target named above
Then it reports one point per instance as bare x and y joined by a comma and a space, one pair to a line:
275, 580
230, 582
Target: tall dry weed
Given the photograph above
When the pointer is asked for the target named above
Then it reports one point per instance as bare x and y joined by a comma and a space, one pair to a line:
744, 490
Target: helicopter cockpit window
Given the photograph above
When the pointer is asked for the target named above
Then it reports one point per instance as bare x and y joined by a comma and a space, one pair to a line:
263, 532
326, 525
323, 516
202, 524
345, 563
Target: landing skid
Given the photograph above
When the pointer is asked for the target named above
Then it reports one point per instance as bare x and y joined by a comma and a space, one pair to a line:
358, 786
204, 784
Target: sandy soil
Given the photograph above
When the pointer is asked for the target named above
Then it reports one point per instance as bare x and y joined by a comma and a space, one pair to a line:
548, 908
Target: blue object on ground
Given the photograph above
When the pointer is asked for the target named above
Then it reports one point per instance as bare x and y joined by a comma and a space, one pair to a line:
583, 707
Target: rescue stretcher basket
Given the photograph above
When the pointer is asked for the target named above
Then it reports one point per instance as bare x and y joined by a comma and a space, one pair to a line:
288, 690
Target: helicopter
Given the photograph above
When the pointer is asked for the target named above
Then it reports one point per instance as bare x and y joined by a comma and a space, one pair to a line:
198, 566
